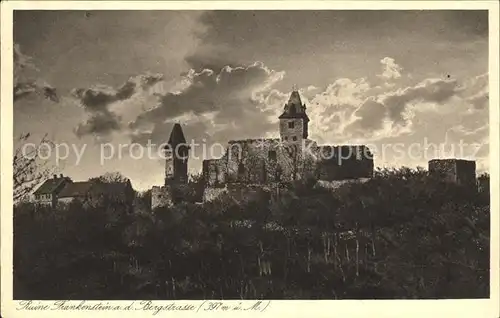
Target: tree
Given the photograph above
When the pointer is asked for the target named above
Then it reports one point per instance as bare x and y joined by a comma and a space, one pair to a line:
28, 171
111, 177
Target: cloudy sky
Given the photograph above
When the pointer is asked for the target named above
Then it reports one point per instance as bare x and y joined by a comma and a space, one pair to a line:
400, 81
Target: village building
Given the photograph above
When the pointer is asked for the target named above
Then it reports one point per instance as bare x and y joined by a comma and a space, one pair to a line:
252, 164
48, 192
62, 190
93, 193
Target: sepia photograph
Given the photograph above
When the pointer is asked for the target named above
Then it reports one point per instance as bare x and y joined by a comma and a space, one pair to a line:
250, 154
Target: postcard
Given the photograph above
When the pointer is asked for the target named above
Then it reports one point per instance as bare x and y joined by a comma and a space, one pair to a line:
250, 158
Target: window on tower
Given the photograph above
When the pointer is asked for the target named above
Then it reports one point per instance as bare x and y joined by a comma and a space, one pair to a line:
294, 138
291, 124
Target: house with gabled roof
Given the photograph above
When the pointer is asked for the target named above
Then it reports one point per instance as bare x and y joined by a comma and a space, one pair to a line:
93, 192
76, 190
48, 192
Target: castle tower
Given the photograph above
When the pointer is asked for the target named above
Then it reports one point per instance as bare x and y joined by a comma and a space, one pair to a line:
294, 120
176, 151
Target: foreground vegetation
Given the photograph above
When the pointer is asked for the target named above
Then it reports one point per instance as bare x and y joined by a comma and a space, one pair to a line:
401, 235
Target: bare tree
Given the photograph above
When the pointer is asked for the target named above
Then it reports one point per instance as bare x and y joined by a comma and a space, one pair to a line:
28, 169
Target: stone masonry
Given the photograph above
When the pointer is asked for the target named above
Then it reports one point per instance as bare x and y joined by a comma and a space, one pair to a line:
459, 171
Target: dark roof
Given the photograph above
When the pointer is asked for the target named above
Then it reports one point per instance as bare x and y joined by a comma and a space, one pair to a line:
50, 185
176, 136
76, 189
295, 98
294, 107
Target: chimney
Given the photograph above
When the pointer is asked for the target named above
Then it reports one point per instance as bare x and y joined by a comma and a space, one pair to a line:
55, 176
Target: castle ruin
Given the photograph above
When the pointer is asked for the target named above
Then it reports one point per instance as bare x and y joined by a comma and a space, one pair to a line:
293, 156
252, 164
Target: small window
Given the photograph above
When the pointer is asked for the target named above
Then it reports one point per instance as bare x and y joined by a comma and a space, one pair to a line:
291, 124
294, 138
272, 155
285, 138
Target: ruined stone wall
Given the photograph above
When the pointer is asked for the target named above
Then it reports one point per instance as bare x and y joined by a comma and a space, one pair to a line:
259, 162
211, 193
466, 173
247, 192
215, 172
262, 161
462, 172
252, 161
160, 197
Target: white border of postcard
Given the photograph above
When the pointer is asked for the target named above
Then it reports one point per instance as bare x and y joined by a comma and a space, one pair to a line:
295, 308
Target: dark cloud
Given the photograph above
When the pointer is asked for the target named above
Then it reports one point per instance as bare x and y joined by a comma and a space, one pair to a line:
432, 91
287, 30
100, 123
97, 100
228, 99
392, 106
25, 81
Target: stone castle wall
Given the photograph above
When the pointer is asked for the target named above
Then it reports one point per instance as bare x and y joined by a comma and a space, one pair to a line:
267, 161
261, 161
458, 171
344, 162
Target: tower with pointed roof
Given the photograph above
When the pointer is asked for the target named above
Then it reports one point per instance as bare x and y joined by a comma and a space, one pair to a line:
294, 121
176, 153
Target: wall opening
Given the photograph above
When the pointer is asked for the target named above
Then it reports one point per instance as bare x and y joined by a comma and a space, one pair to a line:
272, 155
241, 171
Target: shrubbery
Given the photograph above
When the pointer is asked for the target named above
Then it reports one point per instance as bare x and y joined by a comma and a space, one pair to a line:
402, 234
